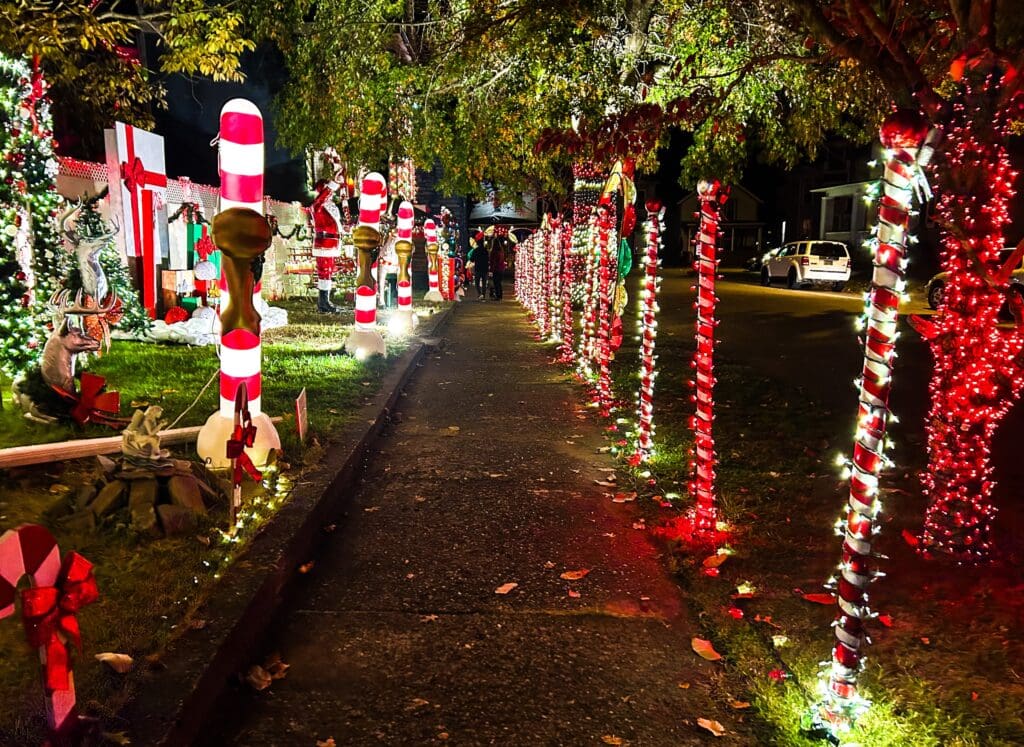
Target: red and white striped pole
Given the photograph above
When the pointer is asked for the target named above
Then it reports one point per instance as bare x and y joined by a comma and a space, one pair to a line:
364, 340
241, 170
430, 235
403, 320
648, 333
710, 195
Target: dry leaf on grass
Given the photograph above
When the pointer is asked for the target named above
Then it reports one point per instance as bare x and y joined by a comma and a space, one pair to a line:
575, 575
820, 598
712, 726
329, 742
612, 739
705, 649
258, 678
506, 588
713, 561
120, 663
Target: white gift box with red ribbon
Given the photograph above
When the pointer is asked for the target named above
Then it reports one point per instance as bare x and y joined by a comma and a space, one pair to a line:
137, 175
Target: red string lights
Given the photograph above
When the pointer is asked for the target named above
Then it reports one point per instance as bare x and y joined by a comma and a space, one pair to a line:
712, 196
902, 134
605, 307
978, 367
567, 353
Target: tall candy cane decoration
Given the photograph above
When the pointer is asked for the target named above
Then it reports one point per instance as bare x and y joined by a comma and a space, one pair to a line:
433, 294
648, 333
58, 591
364, 340
711, 196
902, 134
243, 235
403, 320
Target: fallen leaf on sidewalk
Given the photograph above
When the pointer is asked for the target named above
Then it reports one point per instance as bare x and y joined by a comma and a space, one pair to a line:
371, 509
684, 685
496, 474
506, 588
276, 668
820, 598
575, 575
120, 663
705, 649
574, 594
307, 567
258, 678
612, 739
739, 705
454, 428
549, 565
329, 742
428, 618
639, 524
712, 726
416, 703
624, 497
604, 449
605, 484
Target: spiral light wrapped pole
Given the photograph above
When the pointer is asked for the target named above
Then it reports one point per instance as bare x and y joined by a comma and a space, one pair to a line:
711, 196
902, 134
566, 352
648, 333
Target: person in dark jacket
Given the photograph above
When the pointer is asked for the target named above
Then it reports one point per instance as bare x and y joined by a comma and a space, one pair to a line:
497, 267
480, 268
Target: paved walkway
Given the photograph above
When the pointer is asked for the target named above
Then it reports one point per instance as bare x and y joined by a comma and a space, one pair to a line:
487, 478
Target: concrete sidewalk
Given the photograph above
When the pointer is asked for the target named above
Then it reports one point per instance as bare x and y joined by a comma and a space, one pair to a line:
486, 478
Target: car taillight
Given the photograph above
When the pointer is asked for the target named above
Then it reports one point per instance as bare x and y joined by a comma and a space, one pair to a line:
804, 261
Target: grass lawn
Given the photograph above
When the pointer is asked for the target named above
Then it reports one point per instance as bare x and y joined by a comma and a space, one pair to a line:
943, 671
150, 588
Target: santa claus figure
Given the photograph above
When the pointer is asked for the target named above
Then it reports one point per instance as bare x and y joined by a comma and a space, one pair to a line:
326, 240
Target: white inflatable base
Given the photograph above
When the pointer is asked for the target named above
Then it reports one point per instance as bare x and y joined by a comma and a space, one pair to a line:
213, 440
433, 297
362, 343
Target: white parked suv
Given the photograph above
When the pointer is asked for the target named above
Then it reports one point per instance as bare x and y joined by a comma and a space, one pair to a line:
801, 263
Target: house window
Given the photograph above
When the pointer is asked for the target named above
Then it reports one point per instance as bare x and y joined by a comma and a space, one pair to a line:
842, 214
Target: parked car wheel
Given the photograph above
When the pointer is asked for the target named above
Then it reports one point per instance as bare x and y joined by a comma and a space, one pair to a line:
935, 294
766, 278
792, 281
838, 286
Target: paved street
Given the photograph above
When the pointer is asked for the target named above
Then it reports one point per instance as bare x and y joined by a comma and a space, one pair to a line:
486, 479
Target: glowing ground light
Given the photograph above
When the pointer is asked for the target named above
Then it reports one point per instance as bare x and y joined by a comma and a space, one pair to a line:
903, 135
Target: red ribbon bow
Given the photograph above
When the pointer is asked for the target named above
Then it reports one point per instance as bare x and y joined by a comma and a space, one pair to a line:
91, 403
243, 435
49, 614
134, 174
205, 246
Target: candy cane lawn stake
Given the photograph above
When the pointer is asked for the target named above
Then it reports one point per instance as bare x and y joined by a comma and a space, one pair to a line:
648, 333
711, 196
402, 320
364, 340
242, 234
58, 591
902, 134
433, 294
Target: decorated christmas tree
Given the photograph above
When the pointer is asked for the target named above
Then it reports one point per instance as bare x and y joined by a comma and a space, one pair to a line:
33, 263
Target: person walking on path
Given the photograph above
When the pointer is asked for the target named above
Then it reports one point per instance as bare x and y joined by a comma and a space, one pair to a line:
497, 268
480, 262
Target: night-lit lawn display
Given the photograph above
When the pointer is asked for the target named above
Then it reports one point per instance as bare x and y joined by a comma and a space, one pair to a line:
150, 586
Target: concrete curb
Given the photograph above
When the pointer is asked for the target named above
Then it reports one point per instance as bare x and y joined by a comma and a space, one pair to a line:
174, 701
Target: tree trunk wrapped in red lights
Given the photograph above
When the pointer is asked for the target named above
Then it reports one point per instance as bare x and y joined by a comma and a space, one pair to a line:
553, 255
605, 307
648, 333
902, 134
979, 368
591, 280
566, 353
711, 196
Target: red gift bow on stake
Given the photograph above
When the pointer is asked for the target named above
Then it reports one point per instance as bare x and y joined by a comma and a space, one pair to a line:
49, 612
243, 435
